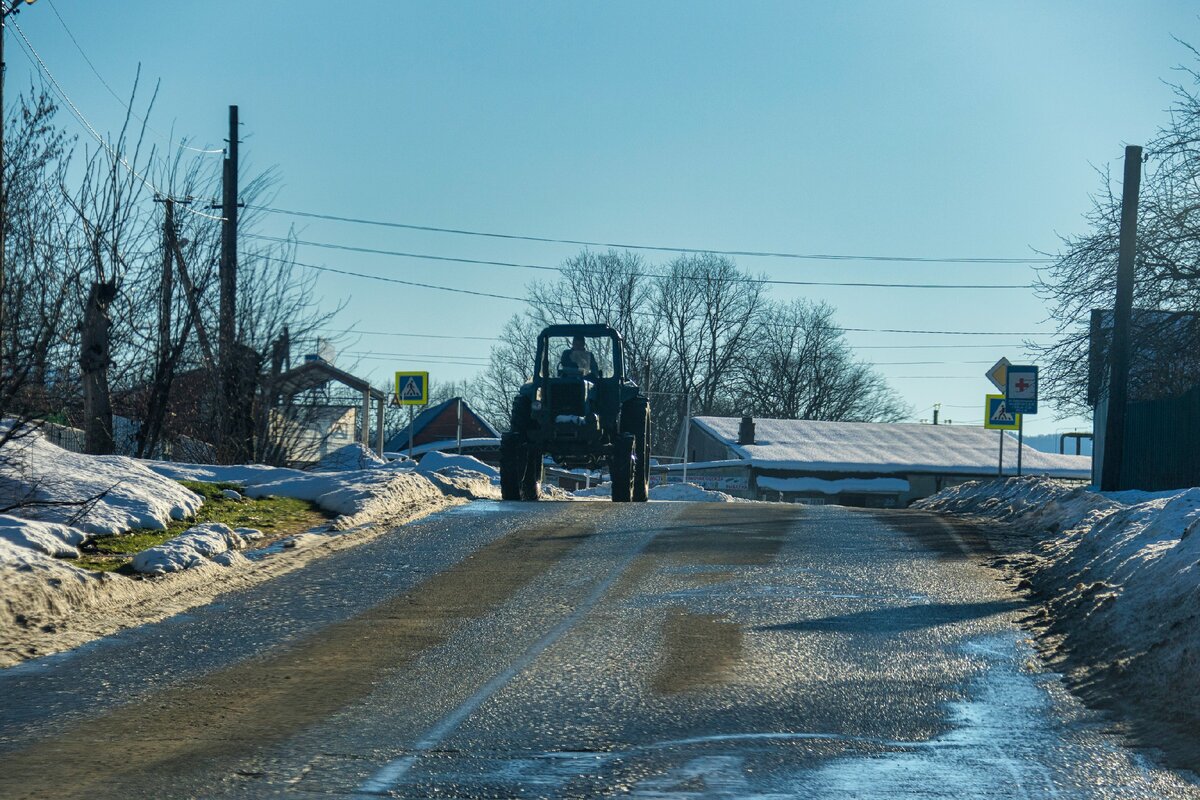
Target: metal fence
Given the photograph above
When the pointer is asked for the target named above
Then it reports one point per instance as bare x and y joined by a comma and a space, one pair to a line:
1162, 443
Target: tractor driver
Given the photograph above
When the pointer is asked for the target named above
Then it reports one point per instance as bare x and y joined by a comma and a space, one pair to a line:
578, 357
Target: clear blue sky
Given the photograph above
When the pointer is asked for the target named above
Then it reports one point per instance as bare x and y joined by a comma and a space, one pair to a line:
880, 128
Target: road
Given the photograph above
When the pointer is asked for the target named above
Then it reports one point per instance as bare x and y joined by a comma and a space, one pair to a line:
660, 650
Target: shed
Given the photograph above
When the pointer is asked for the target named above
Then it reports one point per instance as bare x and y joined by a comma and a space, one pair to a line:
318, 373
854, 463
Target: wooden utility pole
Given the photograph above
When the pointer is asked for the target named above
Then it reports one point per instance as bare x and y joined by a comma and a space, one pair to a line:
227, 327
1118, 357
166, 291
238, 365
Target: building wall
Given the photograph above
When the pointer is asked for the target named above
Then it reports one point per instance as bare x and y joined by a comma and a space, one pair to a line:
703, 446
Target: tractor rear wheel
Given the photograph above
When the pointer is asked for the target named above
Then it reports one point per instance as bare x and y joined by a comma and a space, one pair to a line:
641, 463
620, 468
512, 466
531, 481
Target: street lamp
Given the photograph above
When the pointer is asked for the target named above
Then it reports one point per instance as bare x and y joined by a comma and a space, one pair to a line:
8, 7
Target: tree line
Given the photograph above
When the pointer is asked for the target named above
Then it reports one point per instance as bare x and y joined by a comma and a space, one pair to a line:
696, 327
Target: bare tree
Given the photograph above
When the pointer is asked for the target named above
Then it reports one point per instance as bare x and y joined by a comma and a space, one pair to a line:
707, 309
799, 366
42, 269
1167, 262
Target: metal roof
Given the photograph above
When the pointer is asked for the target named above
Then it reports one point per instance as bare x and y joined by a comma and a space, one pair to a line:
314, 374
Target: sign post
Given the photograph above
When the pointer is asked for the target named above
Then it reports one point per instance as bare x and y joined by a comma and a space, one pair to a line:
1021, 395
412, 389
998, 417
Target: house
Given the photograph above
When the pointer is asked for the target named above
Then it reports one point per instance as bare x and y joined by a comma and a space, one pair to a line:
450, 425
873, 464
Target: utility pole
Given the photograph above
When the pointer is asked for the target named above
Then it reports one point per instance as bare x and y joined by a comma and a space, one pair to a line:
937, 407
235, 380
1118, 359
227, 272
167, 284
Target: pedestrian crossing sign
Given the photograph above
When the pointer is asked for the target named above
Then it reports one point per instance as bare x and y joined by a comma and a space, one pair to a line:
997, 416
412, 388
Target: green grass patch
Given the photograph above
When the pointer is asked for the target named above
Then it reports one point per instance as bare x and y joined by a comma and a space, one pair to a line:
274, 516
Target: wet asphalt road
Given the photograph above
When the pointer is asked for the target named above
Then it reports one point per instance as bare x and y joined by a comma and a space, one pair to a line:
666, 650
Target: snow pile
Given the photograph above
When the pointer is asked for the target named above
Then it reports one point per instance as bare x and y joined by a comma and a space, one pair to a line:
449, 464
690, 492
1041, 503
347, 457
97, 494
357, 497
51, 538
1120, 581
599, 490
194, 547
667, 491
241, 474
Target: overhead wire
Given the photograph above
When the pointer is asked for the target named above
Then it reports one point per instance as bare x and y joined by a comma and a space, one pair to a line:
385, 279
658, 248
523, 300
113, 92
32, 53
546, 268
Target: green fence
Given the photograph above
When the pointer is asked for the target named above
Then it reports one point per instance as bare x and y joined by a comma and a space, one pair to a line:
1162, 443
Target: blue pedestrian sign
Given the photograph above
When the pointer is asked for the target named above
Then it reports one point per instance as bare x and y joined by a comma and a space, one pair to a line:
1021, 389
412, 388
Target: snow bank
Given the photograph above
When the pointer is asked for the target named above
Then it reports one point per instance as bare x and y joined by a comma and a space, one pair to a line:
241, 474
668, 491
96, 494
51, 538
690, 492
448, 463
347, 457
192, 548
1120, 575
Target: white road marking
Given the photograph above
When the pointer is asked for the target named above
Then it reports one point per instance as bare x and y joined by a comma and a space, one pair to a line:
384, 780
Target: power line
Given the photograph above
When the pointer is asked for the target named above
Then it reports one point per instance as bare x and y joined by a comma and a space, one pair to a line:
545, 268
523, 300
111, 91
32, 53
484, 359
382, 278
659, 248
416, 335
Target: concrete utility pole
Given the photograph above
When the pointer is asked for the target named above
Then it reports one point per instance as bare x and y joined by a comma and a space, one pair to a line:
12, 7
1118, 358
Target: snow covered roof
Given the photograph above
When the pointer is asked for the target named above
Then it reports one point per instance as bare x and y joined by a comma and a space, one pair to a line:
877, 447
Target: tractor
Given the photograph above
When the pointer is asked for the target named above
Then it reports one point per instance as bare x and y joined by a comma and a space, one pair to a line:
582, 409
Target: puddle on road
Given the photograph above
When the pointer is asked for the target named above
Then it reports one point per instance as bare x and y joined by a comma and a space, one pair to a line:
475, 508
1008, 740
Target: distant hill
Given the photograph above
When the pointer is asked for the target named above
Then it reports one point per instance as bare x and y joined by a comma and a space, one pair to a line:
1048, 443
